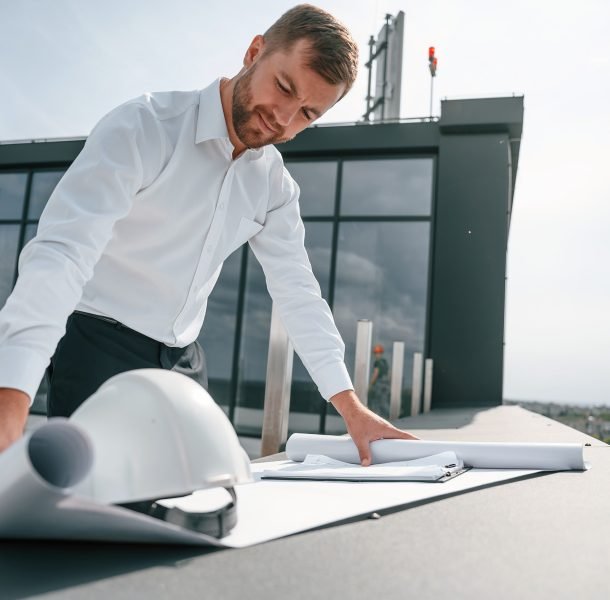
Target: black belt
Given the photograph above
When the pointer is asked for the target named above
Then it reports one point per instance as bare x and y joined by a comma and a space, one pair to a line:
113, 322
100, 317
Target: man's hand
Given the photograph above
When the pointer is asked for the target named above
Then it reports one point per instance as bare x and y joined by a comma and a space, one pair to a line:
364, 426
14, 408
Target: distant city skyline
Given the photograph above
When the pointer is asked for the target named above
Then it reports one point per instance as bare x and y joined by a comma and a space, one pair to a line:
63, 64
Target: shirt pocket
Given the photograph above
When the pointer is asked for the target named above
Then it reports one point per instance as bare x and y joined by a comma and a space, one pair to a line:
246, 229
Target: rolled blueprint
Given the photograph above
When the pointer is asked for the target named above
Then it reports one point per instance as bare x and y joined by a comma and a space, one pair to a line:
39, 469
38, 478
481, 455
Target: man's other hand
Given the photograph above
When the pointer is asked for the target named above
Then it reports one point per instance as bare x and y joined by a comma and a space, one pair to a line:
364, 426
14, 408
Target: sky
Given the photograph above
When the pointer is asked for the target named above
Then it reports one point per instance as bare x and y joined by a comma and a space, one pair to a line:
65, 63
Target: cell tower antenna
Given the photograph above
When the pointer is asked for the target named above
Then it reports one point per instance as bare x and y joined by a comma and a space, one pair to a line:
387, 48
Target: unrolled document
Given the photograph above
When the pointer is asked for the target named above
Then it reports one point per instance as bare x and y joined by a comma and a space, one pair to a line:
438, 467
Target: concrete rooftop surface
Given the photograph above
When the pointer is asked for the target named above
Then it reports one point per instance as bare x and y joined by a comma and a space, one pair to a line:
545, 536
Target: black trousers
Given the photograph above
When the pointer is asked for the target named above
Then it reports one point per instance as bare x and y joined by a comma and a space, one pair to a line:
95, 349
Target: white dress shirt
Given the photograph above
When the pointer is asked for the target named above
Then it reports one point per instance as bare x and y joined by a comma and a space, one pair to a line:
138, 229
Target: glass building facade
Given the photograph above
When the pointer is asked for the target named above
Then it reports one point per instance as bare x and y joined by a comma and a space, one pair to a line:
406, 226
368, 227
23, 196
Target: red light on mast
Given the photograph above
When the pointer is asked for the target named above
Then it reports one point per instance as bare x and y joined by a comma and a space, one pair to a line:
432, 64
432, 61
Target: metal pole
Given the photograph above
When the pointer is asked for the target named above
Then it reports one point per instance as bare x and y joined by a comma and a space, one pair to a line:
236, 366
431, 94
362, 362
398, 355
369, 65
416, 385
428, 385
388, 19
277, 387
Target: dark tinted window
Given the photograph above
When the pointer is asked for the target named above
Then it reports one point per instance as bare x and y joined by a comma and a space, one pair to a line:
43, 184
9, 241
382, 275
305, 400
12, 195
218, 332
401, 187
317, 182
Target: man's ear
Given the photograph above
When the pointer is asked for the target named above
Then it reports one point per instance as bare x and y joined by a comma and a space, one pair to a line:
254, 51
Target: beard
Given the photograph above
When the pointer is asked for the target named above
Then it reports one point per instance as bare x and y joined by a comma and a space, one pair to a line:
245, 116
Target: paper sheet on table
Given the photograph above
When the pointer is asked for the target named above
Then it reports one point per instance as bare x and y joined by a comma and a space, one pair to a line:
435, 468
36, 501
481, 455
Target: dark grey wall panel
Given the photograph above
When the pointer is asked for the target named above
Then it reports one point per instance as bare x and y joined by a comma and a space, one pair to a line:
31, 154
363, 139
468, 278
484, 114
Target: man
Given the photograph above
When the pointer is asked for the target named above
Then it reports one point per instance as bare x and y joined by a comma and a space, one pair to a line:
379, 385
167, 185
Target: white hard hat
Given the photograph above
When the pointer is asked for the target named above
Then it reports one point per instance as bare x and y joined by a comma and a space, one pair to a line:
157, 434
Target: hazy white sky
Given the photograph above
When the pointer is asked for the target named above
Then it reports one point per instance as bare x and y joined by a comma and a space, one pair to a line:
64, 63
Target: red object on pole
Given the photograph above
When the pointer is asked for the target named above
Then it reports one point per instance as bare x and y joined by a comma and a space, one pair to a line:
432, 63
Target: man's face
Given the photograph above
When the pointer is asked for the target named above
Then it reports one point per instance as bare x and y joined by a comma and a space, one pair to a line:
279, 96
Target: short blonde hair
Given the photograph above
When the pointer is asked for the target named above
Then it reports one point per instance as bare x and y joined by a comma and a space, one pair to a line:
333, 51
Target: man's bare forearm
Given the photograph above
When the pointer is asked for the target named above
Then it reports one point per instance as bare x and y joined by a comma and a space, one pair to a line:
346, 403
14, 408
363, 425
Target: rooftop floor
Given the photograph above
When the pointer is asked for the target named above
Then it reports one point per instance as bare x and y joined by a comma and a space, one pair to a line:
542, 537
498, 424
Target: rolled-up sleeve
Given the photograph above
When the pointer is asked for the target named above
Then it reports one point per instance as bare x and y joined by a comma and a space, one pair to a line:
123, 154
280, 248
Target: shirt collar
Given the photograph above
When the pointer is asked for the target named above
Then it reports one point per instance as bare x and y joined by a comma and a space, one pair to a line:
211, 124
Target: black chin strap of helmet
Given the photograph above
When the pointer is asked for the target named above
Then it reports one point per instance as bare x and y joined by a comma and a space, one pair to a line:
216, 523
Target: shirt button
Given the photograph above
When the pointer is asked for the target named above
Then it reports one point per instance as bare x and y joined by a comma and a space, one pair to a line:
221, 205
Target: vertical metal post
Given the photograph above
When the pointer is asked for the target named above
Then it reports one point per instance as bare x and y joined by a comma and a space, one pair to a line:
388, 20
417, 383
369, 66
362, 362
431, 94
428, 385
277, 387
398, 355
